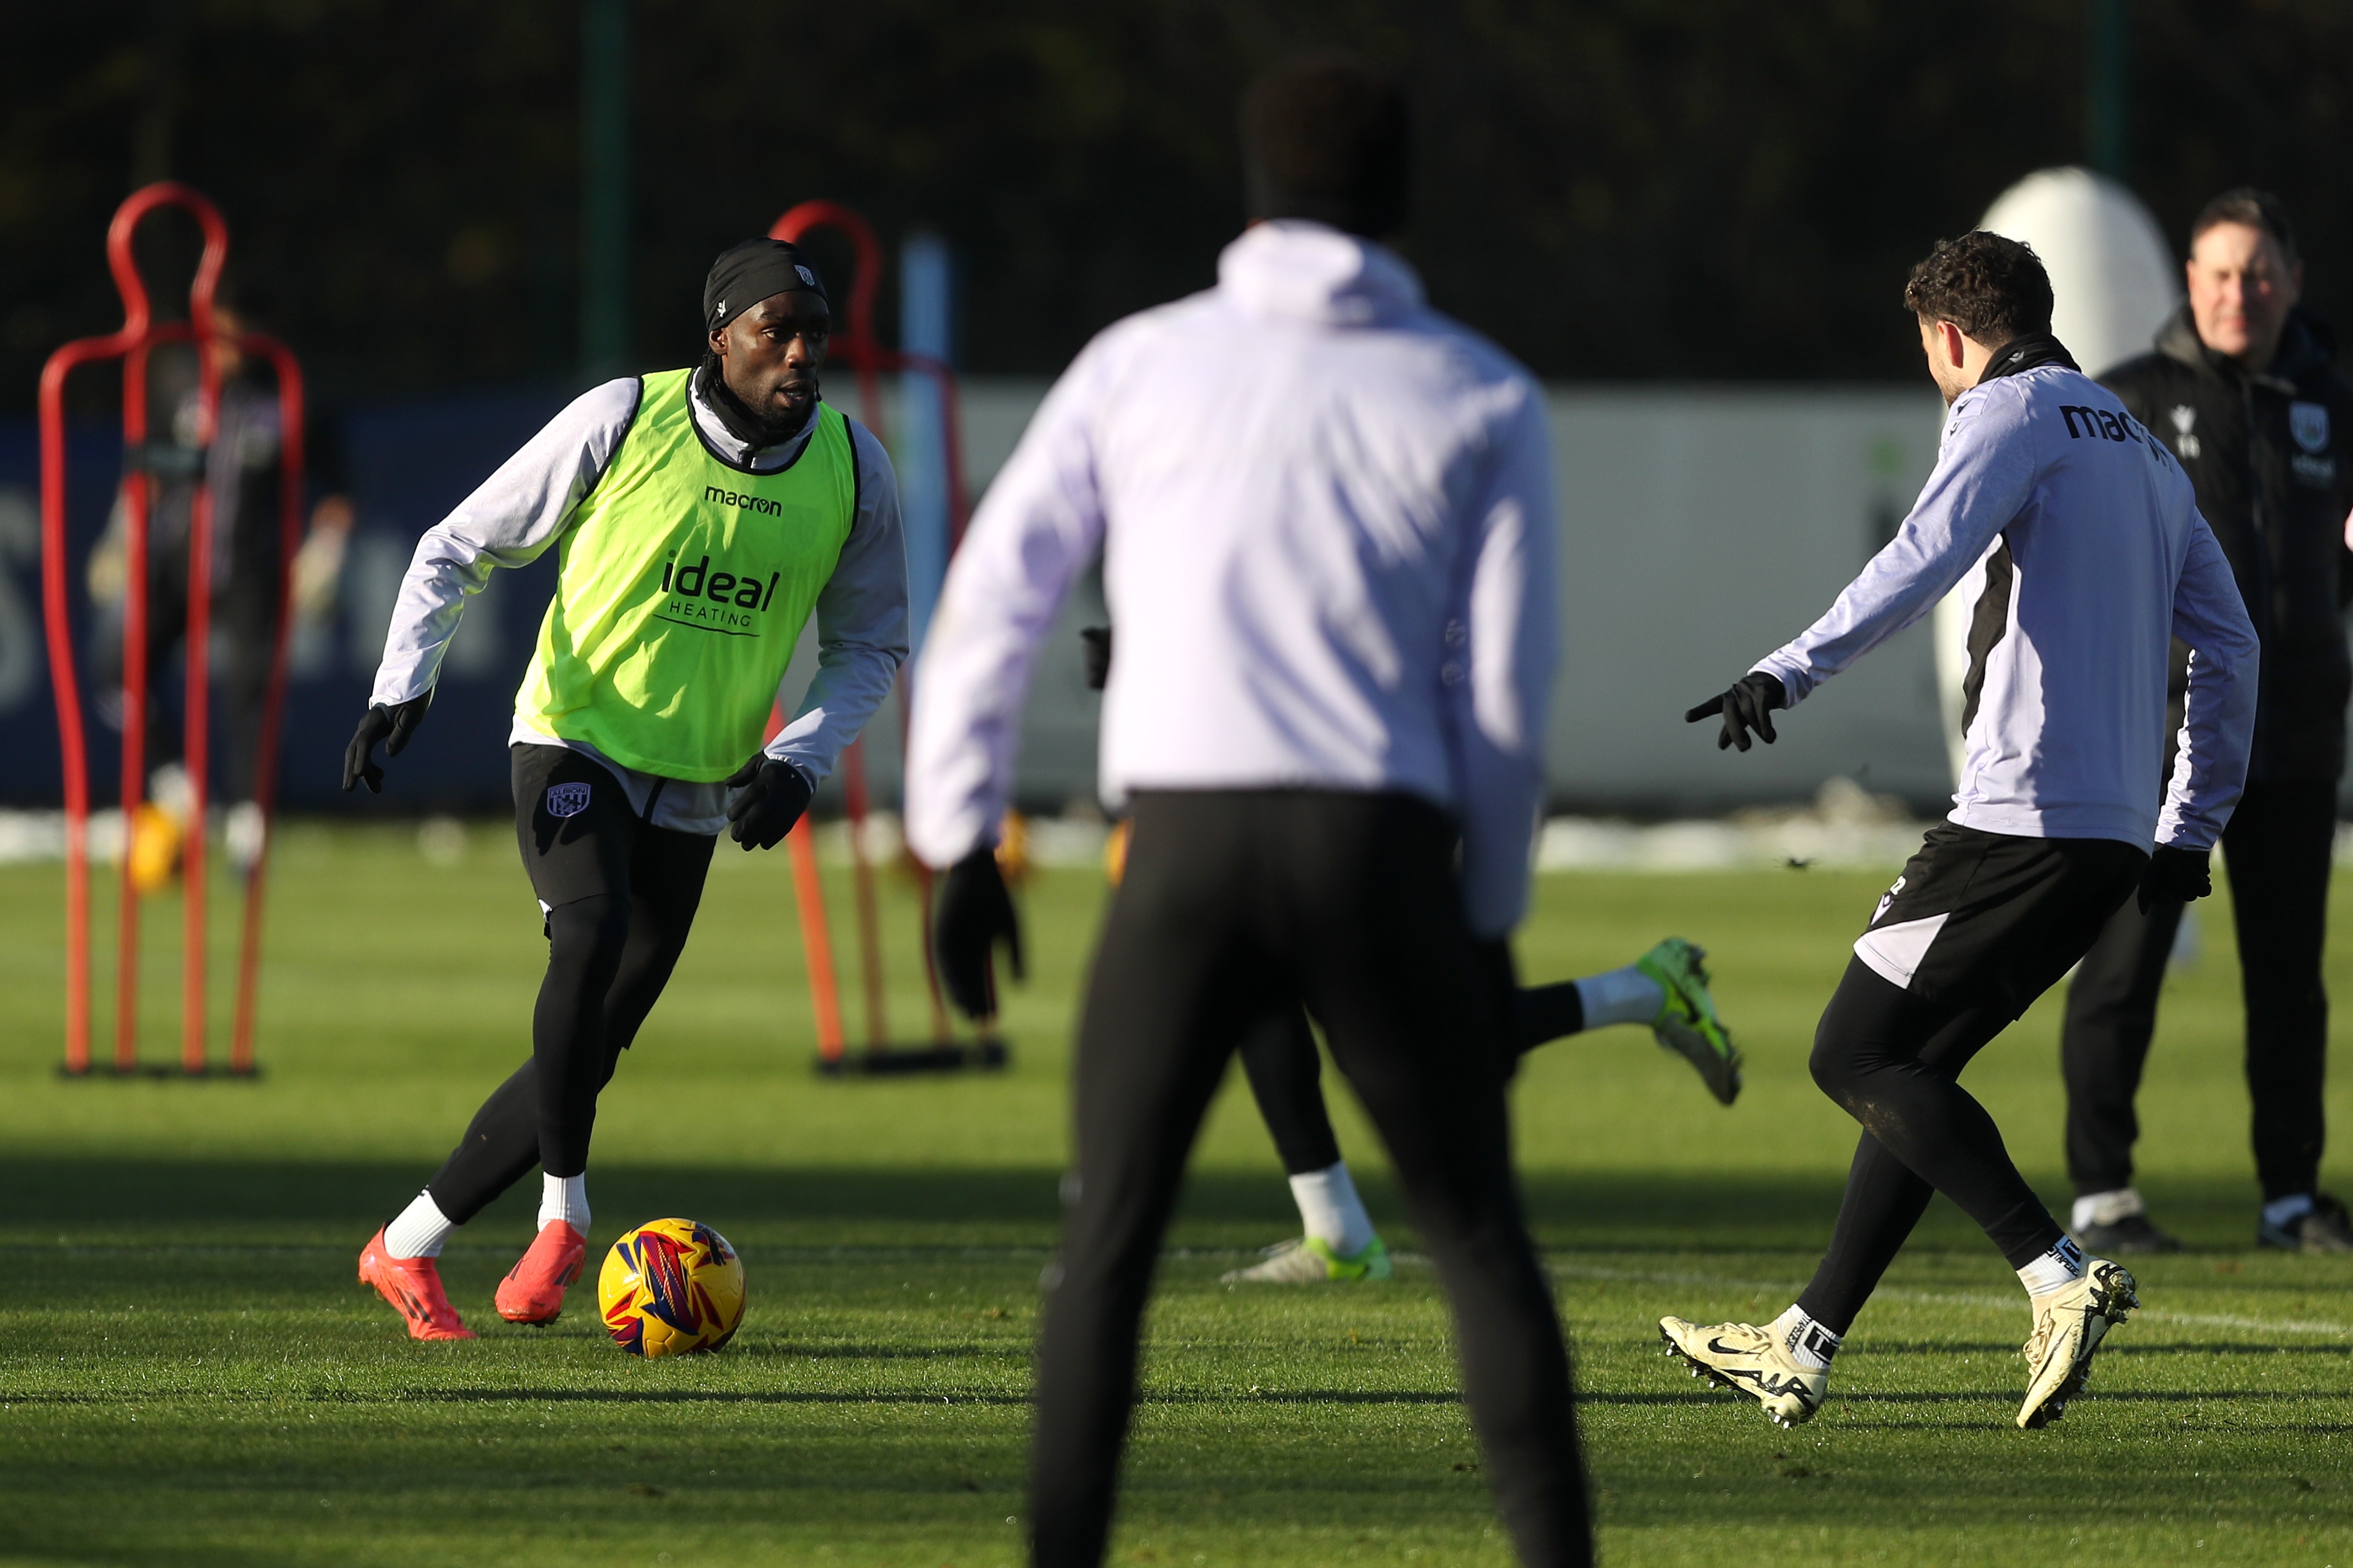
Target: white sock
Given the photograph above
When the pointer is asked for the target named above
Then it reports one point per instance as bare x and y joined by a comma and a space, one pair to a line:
2107, 1208
565, 1198
1809, 1344
2055, 1269
2281, 1212
420, 1230
1621, 997
1331, 1211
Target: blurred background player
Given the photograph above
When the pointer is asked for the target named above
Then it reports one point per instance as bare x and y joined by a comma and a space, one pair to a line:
2243, 387
701, 515
1333, 674
2096, 558
242, 465
1666, 988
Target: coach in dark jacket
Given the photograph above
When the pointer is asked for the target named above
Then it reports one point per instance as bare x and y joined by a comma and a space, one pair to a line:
2243, 386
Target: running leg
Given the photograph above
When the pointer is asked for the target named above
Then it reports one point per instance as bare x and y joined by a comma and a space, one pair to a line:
1871, 1056
1286, 1069
1338, 1242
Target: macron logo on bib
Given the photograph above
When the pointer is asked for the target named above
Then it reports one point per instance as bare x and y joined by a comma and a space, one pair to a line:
742, 503
567, 799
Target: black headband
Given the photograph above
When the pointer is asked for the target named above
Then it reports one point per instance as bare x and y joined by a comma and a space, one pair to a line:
751, 272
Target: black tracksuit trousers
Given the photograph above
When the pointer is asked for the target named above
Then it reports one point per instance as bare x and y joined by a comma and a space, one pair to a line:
620, 896
1236, 905
2276, 851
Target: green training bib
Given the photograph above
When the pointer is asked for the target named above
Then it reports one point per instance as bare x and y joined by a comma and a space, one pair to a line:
682, 586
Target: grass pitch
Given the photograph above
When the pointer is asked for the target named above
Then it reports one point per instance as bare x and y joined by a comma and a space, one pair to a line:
189, 1375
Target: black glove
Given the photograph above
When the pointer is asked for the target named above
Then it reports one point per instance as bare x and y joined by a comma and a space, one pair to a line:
2175, 877
1748, 706
972, 914
773, 794
392, 726
1097, 656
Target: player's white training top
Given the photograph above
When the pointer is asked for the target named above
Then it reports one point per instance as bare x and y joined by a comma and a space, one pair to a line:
2096, 558
1326, 518
527, 505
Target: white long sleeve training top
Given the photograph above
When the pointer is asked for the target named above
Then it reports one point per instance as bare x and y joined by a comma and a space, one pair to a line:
528, 504
1326, 512
2096, 558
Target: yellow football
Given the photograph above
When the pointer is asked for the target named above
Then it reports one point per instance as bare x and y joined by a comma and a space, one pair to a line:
671, 1288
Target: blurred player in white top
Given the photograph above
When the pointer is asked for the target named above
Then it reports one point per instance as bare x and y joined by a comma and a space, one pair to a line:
1326, 522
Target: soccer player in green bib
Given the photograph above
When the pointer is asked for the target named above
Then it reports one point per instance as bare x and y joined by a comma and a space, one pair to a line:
701, 517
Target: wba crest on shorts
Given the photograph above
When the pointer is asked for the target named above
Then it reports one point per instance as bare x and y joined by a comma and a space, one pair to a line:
2308, 422
567, 799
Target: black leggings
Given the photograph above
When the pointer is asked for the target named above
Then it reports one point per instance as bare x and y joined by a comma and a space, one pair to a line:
609, 954
1893, 1062
1241, 904
1286, 1071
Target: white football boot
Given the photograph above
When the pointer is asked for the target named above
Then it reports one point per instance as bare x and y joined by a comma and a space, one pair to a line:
1751, 1360
2069, 1324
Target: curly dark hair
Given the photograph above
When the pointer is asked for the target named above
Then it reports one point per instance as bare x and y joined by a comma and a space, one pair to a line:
1992, 287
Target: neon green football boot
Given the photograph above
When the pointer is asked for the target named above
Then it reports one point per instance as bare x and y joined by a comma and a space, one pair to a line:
1310, 1260
1687, 1023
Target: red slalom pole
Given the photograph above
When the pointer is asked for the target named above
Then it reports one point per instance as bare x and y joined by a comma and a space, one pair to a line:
853, 341
195, 752
290, 451
133, 343
138, 497
870, 927
57, 625
810, 894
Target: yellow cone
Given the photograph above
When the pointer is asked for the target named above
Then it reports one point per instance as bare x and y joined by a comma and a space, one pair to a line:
155, 848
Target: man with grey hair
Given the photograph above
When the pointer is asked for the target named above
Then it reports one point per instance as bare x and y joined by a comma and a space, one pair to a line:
2243, 387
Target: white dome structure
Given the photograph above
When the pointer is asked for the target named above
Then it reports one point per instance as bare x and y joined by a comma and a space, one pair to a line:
2114, 282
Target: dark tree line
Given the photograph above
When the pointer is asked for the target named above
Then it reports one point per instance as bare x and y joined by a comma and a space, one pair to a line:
1615, 188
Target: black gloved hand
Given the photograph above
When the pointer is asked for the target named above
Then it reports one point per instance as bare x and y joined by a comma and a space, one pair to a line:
2175, 877
972, 915
1097, 656
773, 797
392, 726
1748, 706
